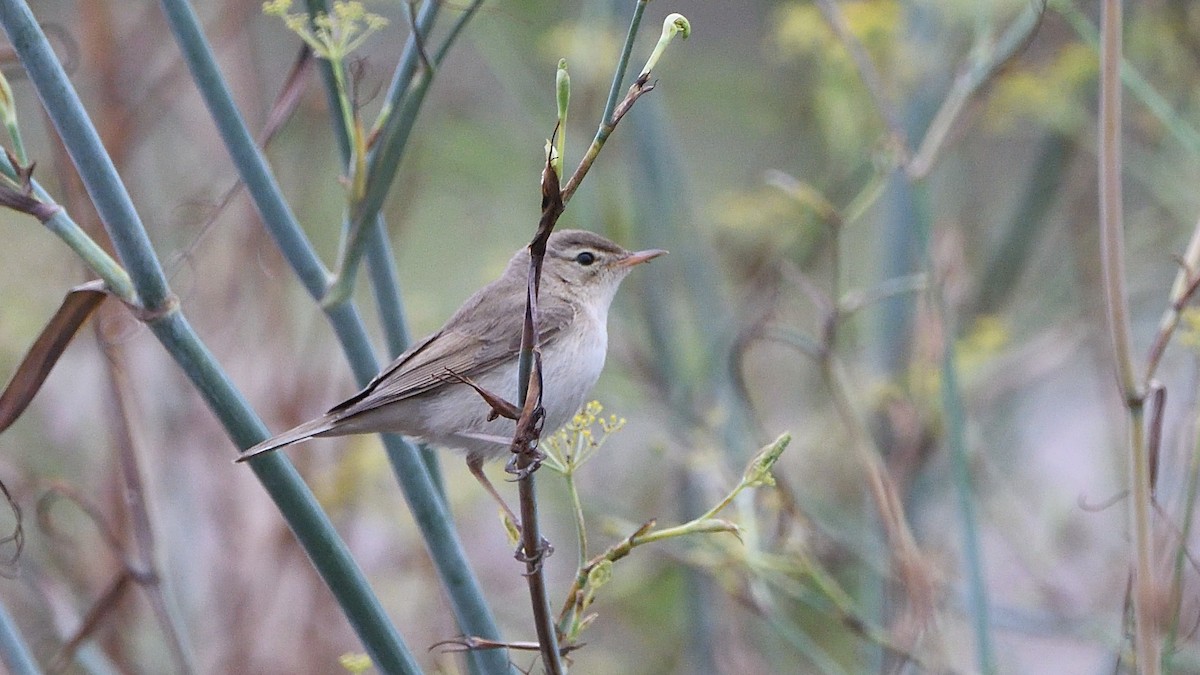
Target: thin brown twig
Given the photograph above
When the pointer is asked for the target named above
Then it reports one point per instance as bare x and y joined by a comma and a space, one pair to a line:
1191, 283
1157, 398
129, 452
1145, 591
471, 643
105, 604
526, 457
9, 564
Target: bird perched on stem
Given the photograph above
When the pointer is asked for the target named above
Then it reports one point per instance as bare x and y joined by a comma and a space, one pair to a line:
428, 392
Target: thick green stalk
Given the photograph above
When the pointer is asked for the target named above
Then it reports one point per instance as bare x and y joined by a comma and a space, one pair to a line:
251, 164
960, 468
465, 596
312, 527
385, 281
386, 127
96, 258
367, 209
87, 152
14, 653
391, 133
393, 129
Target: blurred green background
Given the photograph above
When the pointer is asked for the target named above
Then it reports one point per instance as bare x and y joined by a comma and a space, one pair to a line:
768, 168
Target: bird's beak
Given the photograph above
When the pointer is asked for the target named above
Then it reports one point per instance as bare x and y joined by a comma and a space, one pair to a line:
639, 257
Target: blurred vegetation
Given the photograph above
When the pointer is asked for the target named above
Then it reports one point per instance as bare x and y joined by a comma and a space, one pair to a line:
951, 500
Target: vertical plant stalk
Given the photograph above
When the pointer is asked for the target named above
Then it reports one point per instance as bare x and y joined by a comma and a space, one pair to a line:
1112, 235
526, 459
428, 509
162, 315
381, 263
956, 438
391, 132
534, 550
14, 652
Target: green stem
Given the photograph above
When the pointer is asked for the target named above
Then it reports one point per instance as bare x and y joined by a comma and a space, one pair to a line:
83, 144
607, 121
956, 439
466, 598
391, 133
313, 530
14, 652
385, 283
614, 90
375, 191
62, 225
577, 509
346, 118
304, 516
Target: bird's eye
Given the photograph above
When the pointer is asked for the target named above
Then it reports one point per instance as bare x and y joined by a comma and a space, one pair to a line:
585, 258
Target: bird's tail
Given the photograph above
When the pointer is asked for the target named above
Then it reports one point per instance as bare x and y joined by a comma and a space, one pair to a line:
298, 434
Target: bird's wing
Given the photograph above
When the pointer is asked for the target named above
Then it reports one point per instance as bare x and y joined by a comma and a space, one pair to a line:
472, 342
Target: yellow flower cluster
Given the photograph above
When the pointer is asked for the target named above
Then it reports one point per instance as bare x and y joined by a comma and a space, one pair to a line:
573, 444
331, 35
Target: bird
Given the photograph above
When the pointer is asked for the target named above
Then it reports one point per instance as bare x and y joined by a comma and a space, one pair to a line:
428, 393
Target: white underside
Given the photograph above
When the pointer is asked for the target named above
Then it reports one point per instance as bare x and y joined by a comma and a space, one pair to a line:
570, 370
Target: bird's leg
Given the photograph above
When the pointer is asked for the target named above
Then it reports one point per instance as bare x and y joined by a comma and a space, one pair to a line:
475, 464
500, 407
